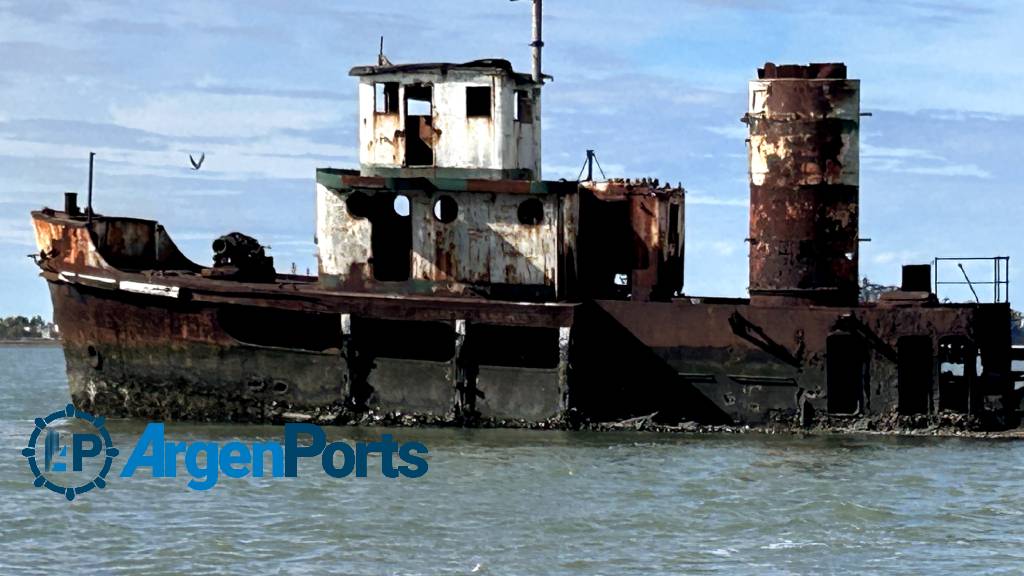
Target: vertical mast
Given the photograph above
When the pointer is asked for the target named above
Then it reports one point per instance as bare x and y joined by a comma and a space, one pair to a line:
537, 43
89, 206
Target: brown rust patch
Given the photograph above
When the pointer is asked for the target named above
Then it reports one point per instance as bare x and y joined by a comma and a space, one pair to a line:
804, 191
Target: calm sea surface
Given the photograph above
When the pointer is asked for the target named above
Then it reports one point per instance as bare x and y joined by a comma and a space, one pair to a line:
519, 502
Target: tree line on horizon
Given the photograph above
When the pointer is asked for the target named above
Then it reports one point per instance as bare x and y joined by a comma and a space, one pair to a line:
21, 327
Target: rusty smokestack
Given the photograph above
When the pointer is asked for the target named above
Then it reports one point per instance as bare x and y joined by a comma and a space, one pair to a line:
804, 185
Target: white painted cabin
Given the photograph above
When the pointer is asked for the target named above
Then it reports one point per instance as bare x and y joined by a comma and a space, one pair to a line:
474, 120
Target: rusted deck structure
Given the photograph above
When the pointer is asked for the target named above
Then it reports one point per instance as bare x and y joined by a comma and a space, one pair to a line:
455, 285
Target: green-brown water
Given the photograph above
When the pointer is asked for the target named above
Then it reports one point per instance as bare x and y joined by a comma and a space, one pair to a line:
520, 502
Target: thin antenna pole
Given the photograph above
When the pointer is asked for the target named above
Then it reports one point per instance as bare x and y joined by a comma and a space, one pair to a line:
89, 205
537, 43
969, 284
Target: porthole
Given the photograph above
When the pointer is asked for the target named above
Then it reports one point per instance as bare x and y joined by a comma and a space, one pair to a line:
401, 205
358, 205
95, 360
446, 209
531, 212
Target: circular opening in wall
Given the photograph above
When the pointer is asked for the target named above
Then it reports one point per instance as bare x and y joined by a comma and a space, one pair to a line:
94, 357
358, 205
401, 205
446, 209
280, 387
531, 212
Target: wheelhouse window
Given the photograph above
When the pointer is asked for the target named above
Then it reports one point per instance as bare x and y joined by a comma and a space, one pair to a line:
385, 97
478, 101
523, 107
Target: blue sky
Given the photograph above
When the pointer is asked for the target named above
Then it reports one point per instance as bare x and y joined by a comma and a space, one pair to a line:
657, 88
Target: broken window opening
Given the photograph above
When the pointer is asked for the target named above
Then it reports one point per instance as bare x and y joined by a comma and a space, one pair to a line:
419, 130
958, 369
418, 100
478, 101
530, 212
673, 225
523, 111
385, 97
846, 373
914, 374
446, 209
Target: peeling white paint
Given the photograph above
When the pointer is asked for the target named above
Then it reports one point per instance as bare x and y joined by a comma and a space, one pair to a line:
149, 289
99, 279
497, 142
343, 241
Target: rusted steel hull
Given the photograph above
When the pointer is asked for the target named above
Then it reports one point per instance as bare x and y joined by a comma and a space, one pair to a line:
131, 355
141, 356
713, 363
730, 362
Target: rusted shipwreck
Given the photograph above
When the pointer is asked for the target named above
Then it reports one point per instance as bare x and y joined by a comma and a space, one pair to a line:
456, 285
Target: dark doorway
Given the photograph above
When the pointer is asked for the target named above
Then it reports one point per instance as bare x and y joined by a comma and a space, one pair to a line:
419, 129
957, 372
390, 238
915, 369
846, 373
605, 248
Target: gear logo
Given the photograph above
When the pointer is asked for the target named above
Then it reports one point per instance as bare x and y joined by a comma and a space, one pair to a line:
94, 448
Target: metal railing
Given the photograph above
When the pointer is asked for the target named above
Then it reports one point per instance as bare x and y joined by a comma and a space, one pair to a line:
1000, 279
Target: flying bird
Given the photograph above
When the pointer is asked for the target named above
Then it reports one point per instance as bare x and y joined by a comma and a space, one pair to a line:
197, 165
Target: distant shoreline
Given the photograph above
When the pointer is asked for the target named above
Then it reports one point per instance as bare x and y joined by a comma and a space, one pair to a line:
30, 342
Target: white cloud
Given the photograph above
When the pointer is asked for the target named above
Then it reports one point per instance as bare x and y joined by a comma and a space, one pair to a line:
273, 157
917, 161
730, 131
716, 247
952, 170
202, 114
17, 231
870, 151
697, 198
897, 256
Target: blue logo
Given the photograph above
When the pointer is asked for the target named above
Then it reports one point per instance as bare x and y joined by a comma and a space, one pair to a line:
65, 471
56, 453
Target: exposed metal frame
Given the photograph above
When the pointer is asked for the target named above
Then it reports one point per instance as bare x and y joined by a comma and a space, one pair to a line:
1000, 277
